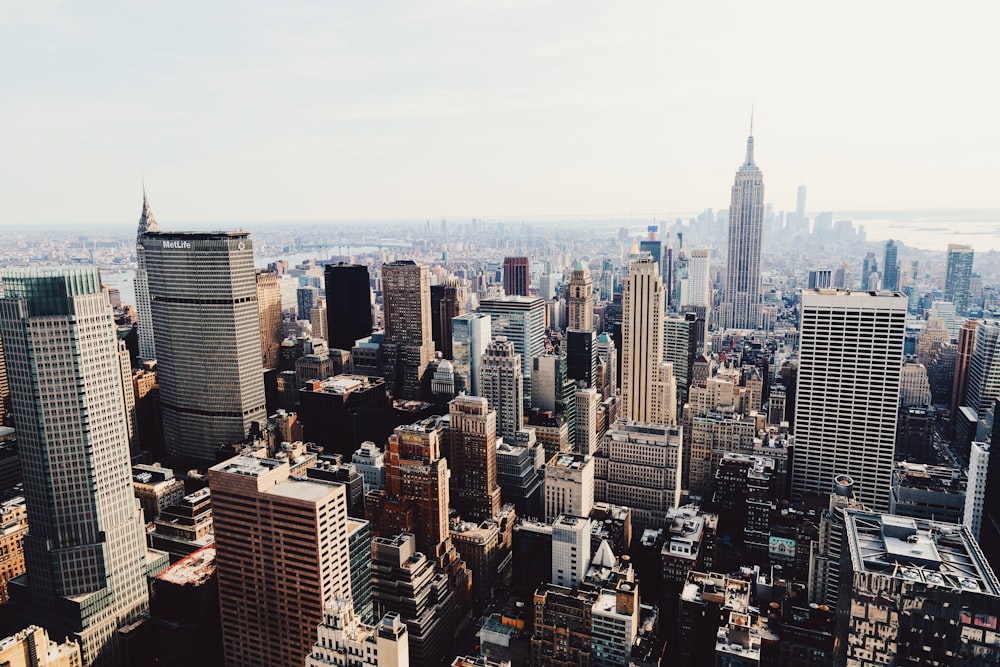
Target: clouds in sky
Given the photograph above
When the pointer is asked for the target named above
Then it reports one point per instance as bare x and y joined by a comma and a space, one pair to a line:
339, 110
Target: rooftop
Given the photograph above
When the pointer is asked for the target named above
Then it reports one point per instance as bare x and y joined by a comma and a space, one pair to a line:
919, 550
195, 568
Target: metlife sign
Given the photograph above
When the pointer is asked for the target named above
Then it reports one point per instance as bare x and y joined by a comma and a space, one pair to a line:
177, 245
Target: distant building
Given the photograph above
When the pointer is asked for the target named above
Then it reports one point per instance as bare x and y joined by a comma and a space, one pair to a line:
581, 299
515, 276
348, 304
269, 314
408, 346
741, 294
471, 333
958, 278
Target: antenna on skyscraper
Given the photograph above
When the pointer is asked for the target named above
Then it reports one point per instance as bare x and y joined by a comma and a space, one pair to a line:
751, 119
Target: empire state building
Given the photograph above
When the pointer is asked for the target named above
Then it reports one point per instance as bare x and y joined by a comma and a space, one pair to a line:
741, 298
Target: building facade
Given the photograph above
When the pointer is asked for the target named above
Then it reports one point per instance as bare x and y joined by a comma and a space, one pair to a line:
203, 294
741, 295
408, 348
348, 304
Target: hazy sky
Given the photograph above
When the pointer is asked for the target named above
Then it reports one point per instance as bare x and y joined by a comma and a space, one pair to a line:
248, 111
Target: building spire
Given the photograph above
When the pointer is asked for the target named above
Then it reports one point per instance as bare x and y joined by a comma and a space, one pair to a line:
147, 223
749, 160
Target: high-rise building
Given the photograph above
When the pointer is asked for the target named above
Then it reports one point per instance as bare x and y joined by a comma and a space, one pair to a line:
473, 435
800, 207
963, 362
890, 266
680, 347
699, 291
522, 320
741, 296
825, 552
147, 223
570, 549
500, 383
569, 485
203, 294
648, 386
447, 303
269, 311
915, 592
847, 398
515, 276
984, 368
317, 318
4, 388
85, 550
470, 334
348, 304
282, 553
408, 346
587, 404
580, 300
958, 279
581, 356
305, 298
975, 491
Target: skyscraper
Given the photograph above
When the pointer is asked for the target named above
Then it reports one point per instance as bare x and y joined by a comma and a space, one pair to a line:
147, 223
699, 292
408, 347
958, 279
85, 549
648, 386
4, 388
269, 312
522, 320
890, 266
581, 299
282, 553
470, 335
800, 208
847, 396
741, 297
515, 276
447, 303
348, 304
501, 384
203, 295
473, 435
984, 368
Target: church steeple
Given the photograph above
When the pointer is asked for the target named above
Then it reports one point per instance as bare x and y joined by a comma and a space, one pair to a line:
147, 223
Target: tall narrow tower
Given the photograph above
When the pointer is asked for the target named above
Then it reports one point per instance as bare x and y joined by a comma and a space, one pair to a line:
147, 223
958, 280
515, 276
847, 398
409, 347
473, 433
348, 304
741, 298
501, 384
648, 385
890, 266
85, 550
581, 299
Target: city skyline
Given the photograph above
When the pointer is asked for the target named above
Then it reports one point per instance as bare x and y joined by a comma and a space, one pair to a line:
312, 112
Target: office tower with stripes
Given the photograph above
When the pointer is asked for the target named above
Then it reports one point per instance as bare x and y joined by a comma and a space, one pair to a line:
203, 294
847, 395
85, 550
516, 278
958, 278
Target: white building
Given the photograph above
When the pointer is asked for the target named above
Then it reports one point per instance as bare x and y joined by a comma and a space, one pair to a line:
846, 403
570, 549
588, 400
975, 490
343, 640
569, 485
369, 460
699, 287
